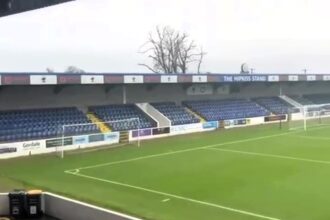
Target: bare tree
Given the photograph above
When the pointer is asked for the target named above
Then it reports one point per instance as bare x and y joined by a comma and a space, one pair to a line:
74, 69
171, 51
200, 61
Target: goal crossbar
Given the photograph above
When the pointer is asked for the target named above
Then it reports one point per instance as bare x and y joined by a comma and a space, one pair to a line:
64, 127
309, 114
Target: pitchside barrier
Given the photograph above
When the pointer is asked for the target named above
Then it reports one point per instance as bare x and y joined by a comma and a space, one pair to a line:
26, 148
60, 207
151, 133
10, 150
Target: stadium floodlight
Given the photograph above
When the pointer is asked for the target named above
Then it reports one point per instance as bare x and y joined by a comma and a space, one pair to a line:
310, 116
67, 129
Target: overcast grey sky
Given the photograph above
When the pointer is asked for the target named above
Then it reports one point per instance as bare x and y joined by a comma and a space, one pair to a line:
105, 35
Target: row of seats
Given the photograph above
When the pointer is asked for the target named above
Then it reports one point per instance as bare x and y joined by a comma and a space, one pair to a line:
313, 99
178, 115
216, 110
123, 117
276, 105
318, 98
301, 100
34, 124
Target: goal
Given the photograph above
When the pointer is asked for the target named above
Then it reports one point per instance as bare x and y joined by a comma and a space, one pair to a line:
99, 133
310, 116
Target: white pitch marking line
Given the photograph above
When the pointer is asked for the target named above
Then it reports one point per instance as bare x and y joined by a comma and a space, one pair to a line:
176, 196
312, 137
193, 149
271, 155
183, 151
166, 200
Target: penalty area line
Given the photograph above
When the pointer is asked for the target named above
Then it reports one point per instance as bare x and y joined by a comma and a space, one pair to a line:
181, 151
194, 149
312, 137
239, 211
271, 155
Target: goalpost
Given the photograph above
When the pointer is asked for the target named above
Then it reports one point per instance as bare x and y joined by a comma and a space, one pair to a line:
72, 130
310, 116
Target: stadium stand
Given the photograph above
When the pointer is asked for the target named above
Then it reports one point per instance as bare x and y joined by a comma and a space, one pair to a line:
301, 100
42, 123
312, 99
120, 113
24, 125
178, 115
216, 110
318, 98
276, 105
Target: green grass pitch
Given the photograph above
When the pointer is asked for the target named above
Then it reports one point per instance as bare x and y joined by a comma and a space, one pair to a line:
248, 173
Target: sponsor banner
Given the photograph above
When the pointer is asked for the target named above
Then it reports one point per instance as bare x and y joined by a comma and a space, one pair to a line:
133, 79
244, 78
185, 79
293, 78
7, 149
68, 79
141, 133
31, 145
325, 113
273, 78
157, 131
275, 118
78, 140
211, 125
235, 122
326, 77
111, 137
199, 79
283, 78
115, 79
95, 138
169, 79
92, 79
43, 79
186, 128
15, 79
59, 142
200, 90
211, 78
311, 78
152, 79
22, 146
319, 77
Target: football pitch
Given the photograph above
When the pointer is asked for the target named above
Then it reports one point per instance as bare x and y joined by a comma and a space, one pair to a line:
260, 172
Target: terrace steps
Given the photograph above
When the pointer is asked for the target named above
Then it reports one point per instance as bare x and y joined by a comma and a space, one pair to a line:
291, 101
124, 137
99, 123
195, 114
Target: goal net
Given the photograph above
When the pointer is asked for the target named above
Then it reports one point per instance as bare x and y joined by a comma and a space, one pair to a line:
310, 116
98, 134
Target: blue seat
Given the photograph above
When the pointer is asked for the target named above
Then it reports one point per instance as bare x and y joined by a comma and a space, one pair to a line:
38, 123
178, 115
276, 105
118, 117
227, 109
